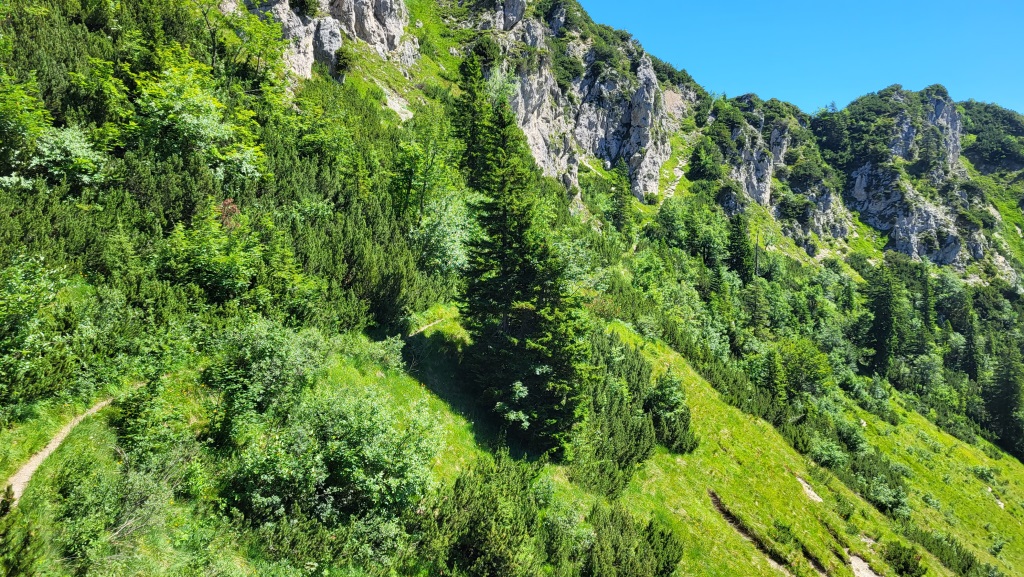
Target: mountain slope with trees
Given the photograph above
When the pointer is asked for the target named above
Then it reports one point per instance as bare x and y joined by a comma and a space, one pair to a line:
487, 290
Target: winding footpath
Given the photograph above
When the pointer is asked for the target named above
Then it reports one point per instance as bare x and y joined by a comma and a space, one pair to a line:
19, 481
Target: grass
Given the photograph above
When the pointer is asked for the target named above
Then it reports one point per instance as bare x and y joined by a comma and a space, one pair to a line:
867, 240
754, 471
25, 438
681, 150
945, 471
1005, 193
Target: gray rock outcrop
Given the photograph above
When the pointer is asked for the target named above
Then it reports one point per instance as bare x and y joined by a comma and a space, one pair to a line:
316, 35
889, 202
606, 115
915, 226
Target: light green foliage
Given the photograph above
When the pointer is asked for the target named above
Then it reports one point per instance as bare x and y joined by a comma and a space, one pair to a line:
209, 229
178, 112
23, 120
103, 84
66, 155
339, 455
806, 368
218, 254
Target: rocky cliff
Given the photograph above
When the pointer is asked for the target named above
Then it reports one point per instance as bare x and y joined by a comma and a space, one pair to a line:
585, 94
909, 191
317, 31
601, 112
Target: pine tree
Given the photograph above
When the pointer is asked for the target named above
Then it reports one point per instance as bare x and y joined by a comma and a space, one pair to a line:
527, 347
474, 112
882, 297
741, 251
1003, 398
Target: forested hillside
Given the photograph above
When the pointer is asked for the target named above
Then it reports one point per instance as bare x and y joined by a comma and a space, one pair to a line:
440, 288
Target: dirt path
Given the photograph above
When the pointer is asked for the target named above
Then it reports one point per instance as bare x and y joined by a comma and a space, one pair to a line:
860, 567
809, 491
19, 481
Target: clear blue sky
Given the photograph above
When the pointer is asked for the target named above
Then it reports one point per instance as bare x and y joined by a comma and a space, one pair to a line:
813, 53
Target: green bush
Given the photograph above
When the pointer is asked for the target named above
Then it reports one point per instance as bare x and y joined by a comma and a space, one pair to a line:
904, 560
339, 457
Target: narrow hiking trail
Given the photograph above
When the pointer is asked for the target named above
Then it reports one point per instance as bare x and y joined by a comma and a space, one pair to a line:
19, 481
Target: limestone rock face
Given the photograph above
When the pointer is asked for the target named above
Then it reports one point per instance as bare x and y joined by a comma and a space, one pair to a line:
605, 114
511, 12
755, 170
944, 116
317, 38
915, 226
540, 108
379, 23
648, 147
886, 200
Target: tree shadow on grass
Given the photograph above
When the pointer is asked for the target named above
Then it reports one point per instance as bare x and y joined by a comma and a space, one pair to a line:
436, 362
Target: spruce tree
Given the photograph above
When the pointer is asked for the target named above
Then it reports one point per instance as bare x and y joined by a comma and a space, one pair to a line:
527, 348
882, 297
474, 112
1003, 398
741, 251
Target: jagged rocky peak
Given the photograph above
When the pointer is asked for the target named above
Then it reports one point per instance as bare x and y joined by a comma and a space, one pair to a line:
903, 162
775, 161
316, 28
585, 92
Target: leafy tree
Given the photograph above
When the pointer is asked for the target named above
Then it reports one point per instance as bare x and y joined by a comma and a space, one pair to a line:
339, 457
23, 121
219, 255
66, 155
806, 368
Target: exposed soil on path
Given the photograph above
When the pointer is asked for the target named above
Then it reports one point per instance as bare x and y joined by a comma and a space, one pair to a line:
19, 481
861, 568
809, 491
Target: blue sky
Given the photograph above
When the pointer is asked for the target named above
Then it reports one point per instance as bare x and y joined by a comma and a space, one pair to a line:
813, 53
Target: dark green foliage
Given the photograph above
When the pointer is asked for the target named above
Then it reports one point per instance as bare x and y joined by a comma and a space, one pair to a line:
1004, 397
486, 525
487, 51
999, 137
474, 113
741, 250
952, 553
883, 331
795, 207
338, 457
624, 548
526, 350
706, 161
667, 405
618, 435
904, 560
